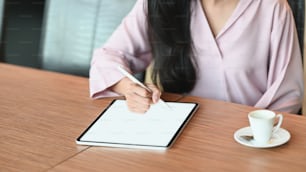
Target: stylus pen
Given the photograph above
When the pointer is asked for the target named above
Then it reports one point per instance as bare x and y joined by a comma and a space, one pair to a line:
131, 77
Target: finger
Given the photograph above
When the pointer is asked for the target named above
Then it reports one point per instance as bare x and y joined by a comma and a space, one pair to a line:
138, 104
138, 98
156, 93
139, 101
141, 91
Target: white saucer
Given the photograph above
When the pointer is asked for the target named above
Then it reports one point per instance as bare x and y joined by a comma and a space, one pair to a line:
282, 136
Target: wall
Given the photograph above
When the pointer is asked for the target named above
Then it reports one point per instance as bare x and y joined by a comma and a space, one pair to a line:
22, 31
1, 16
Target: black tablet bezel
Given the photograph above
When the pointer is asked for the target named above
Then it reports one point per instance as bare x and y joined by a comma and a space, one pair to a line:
127, 145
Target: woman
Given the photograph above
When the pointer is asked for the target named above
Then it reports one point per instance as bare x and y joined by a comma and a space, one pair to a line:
241, 51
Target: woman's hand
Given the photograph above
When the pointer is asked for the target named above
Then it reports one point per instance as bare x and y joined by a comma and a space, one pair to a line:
138, 99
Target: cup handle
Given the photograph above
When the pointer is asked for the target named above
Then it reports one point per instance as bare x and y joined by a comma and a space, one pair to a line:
279, 123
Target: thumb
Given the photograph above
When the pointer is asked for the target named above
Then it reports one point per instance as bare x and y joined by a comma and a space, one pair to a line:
156, 93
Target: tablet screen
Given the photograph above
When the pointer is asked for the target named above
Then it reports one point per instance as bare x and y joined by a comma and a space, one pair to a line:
157, 128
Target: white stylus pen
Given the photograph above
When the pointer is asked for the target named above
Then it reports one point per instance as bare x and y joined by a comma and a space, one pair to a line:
131, 77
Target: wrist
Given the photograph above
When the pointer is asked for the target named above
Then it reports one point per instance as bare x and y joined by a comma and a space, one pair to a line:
120, 86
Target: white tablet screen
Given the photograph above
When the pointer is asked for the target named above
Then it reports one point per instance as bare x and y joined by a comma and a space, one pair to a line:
158, 127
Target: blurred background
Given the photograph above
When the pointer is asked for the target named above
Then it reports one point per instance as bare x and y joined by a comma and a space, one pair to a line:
57, 35
21, 31
60, 35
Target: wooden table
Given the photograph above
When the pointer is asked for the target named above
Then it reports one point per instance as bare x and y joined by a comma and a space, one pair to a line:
42, 113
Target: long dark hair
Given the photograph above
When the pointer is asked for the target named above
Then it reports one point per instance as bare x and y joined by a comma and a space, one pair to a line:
171, 43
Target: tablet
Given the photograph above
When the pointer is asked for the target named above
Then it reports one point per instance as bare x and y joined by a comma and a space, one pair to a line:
158, 128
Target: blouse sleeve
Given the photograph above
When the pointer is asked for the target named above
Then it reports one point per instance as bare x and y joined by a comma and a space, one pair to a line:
128, 46
285, 77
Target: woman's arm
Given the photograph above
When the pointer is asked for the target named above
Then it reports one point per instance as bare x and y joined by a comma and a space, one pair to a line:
128, 46
285, 77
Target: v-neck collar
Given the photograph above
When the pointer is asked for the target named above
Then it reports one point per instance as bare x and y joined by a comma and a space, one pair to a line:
240, 8
202, 23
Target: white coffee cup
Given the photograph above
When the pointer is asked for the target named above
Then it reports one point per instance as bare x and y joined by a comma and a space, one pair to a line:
262, 125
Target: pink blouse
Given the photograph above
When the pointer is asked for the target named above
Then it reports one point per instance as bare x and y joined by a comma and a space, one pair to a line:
254, 60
